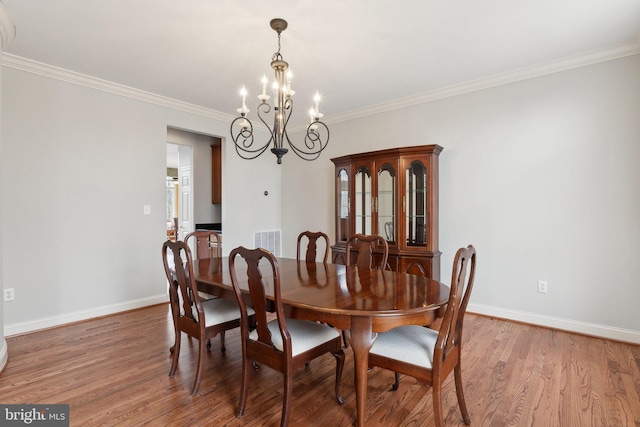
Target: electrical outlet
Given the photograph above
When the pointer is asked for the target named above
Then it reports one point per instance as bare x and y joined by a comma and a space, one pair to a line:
542, 286
9, 295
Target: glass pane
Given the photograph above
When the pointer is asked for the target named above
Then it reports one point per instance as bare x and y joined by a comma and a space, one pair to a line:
387, 202
363, 201
416, 204
343, 210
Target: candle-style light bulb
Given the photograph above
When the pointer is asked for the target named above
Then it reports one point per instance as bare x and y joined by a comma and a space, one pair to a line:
275, 91
264, 85
290, 91
263, 96
316, 99
312, 115
243, 109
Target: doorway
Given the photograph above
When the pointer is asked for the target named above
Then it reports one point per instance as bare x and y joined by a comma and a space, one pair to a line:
191, 154
179, 183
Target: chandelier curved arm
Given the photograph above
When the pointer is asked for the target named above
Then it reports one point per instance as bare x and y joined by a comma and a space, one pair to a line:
265, 108
288, 109
315, 140
242, 135
279, 131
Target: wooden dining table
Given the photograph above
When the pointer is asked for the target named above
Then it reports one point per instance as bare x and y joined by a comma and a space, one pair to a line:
361, 301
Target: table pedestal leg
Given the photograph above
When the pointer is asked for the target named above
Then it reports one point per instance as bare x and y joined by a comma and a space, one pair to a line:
361, 341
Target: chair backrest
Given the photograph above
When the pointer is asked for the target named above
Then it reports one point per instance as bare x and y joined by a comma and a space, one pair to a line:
365, 245
257, 294
182, 285
388, 231
462, 277
312, 245
208, 243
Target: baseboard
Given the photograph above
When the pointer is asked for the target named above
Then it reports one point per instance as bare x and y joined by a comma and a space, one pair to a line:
4, 355
593, 329
585, 328
48, 322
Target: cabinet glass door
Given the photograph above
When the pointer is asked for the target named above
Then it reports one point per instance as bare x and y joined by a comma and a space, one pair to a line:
342, 187
363, 200
416, 204
386, 203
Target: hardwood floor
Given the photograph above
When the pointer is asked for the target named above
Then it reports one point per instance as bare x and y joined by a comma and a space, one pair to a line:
114, 371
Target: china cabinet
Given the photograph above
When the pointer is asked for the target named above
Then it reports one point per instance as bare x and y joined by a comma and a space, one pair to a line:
392, 193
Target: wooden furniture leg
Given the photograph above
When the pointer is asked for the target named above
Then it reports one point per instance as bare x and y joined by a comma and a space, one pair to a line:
361, 341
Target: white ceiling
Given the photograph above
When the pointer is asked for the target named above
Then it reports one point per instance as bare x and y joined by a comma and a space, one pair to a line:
358, 54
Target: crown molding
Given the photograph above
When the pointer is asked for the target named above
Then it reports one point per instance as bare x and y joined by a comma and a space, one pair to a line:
7, 27
35, 67
495, 80
551, 67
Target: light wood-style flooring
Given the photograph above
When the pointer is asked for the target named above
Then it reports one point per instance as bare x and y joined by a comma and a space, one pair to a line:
114, 371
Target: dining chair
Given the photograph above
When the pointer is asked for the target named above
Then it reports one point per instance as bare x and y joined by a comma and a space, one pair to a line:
365, 245
312, 245
429, 355
208, 243
311, 255
199, 319
283, 344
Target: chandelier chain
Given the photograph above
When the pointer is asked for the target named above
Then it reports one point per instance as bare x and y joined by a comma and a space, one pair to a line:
277, 55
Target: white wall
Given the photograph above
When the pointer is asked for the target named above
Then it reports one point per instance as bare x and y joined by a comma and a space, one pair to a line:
245, 208
7, 33
540, 175
78, 166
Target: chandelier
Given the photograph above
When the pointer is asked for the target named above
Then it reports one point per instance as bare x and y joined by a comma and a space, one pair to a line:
317, 134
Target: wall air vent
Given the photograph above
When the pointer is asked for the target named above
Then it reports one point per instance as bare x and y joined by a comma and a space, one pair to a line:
269, 240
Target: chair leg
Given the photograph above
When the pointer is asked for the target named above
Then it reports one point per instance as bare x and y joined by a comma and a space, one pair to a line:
196, 384
176, 354
457, 373
437, 403
396, 384
222, 348
243, 386
286, 399
344, 339
177, 334
339, 355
